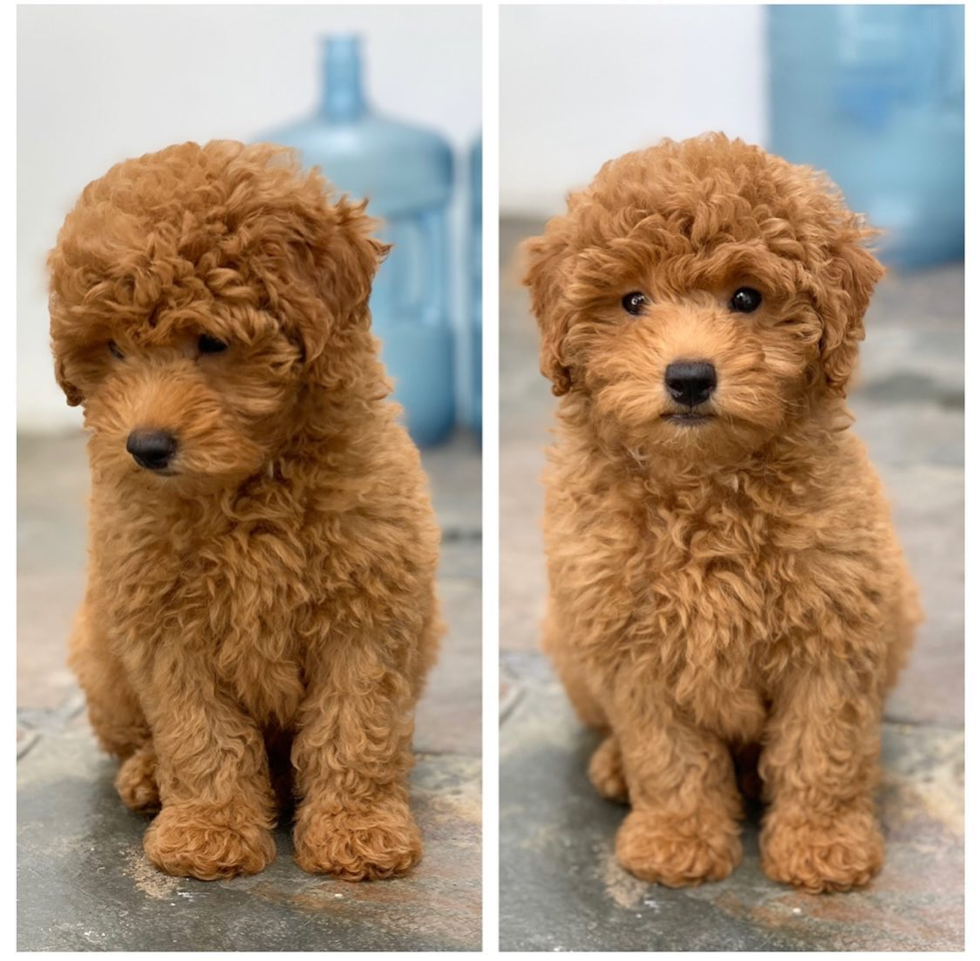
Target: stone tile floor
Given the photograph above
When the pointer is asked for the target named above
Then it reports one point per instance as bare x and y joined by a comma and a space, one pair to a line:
561, 888
83, 881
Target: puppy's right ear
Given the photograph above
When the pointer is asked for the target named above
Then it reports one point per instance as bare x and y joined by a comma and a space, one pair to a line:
59, 324
546, 260
851, 275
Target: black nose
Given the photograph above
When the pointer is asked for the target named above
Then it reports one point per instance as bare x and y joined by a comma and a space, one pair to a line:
691, 382
152, 449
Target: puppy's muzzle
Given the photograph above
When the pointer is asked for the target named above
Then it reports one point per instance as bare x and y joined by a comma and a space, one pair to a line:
690, 382
152, 449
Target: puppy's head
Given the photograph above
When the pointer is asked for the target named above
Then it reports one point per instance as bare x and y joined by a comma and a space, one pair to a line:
195, 294
700, 295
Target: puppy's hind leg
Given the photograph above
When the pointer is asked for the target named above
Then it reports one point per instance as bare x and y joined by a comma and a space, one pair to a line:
570, 673
114, 712
113, 708
906, 617
606, 771
136, 781
606, 765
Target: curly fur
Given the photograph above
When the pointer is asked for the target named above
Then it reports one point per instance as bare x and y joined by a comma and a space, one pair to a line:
735, 585
271, 604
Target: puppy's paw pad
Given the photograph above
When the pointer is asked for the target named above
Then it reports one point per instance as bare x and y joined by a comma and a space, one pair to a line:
844, 854
606, 771
678, 853
372, 845
208, 843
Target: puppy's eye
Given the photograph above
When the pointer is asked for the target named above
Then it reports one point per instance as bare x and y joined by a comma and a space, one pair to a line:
634, 303
210, 345
114, 350
745, 300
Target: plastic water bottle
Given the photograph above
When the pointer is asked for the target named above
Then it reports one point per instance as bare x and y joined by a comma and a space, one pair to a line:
874, 96
475, 278
406, 174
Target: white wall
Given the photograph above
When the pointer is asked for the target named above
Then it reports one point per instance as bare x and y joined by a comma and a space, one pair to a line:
583, 84
99, 84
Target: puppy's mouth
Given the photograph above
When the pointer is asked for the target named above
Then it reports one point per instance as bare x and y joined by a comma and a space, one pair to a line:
688, 418
155, 472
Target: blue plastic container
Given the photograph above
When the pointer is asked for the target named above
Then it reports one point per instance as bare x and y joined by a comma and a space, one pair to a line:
406, 174
874, 96
475, 278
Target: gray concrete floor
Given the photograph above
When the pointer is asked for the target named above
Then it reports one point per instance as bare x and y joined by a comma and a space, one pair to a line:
561, 888
83, 881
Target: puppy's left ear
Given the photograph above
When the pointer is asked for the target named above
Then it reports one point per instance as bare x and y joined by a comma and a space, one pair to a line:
848, 281
351, 258
341, 256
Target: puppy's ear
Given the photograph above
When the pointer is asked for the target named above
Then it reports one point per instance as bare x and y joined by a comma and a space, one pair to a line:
60, 326
545, 261
338, 253
847, 284
72, 394
350, 258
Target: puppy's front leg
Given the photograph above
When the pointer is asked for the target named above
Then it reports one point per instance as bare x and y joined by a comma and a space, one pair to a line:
212, 769
352, 755
683, 828
819, 768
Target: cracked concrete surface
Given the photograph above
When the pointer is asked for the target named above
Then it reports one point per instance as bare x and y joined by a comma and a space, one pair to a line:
560, 885
83, 881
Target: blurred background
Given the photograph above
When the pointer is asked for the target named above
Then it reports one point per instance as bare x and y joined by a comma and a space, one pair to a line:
391, 111
872, 94
387, 100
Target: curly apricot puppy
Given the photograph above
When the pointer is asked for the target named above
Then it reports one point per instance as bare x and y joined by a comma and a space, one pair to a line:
724, 573
263, 548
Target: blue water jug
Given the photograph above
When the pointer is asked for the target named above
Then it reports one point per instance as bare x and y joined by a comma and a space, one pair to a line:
406, 175
475, 277
874, 96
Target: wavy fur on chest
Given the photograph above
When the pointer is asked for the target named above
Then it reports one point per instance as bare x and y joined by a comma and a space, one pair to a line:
716, 581
262, 578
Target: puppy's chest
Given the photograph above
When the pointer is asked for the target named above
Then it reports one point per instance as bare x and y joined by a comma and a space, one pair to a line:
234, 596
706, 609
712, 589
259, 585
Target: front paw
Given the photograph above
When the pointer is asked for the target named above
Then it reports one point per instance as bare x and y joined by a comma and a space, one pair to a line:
382, 841
834, 854
209, 841
678, 852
